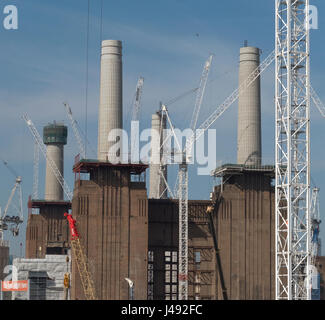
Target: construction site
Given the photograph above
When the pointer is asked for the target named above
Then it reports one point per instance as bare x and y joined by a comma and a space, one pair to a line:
123, 232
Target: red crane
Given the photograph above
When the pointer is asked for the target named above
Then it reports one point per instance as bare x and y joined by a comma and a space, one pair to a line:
81, 259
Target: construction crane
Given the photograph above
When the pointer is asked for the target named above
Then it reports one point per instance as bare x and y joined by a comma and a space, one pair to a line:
182, 187
314, 224
137, 100
317, 102
50, 161
13, 214
81, 260
136, 109
81, 145
78, 251
292, 152
200, 93
35, 170
198, 103
183, 193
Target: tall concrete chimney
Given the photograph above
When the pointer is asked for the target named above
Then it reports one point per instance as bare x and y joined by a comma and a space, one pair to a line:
54, 137
110, 105
157, 185
249, 145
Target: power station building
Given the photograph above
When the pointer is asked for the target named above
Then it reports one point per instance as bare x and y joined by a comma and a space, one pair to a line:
127, 234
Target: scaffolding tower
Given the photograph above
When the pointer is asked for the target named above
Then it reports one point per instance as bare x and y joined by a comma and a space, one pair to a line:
292, 105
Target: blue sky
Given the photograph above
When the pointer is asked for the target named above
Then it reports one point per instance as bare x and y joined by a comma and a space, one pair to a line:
43, 63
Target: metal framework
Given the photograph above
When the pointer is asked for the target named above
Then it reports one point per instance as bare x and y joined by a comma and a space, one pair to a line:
50, 161
81, 145
13, 214
36, 170
200, 93
181, 185
81, 260
317, 102
292, 150
183, 232
137, 100
314, 225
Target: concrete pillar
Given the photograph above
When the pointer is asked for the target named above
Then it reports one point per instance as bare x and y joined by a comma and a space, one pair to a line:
157, 184
110, 105
55, 137
249, 145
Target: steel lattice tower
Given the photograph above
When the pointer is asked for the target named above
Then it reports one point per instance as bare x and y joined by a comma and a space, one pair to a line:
292, 103
183, 231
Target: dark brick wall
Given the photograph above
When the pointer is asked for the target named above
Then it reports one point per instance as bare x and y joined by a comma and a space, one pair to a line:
244, 225
112, 215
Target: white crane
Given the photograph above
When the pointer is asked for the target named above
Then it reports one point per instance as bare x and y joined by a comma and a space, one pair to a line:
36, 170
183, 193
292, 151
81, 145
52, 164
137, 100
182, 186
13, 214
136, 109
314, 224
317, 102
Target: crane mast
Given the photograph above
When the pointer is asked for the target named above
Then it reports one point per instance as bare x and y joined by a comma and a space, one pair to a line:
292, 189
136, 112
137, 100
36, 170
314, 225
75, 130
183, 192
81, 260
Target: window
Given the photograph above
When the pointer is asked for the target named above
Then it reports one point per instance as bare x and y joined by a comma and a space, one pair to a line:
171, 275
197, 256
197, 259
37, 288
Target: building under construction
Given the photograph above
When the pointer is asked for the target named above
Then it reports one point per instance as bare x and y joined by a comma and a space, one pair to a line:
47, 232
126, 234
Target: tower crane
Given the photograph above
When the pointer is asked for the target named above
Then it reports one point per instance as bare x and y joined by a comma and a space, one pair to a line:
292, 151
79, 255
50, 161
136, 108
35, 170
137, 100
198, 103
182, 186
183, 193
13, 213
314, 224
317, 102
75, 130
